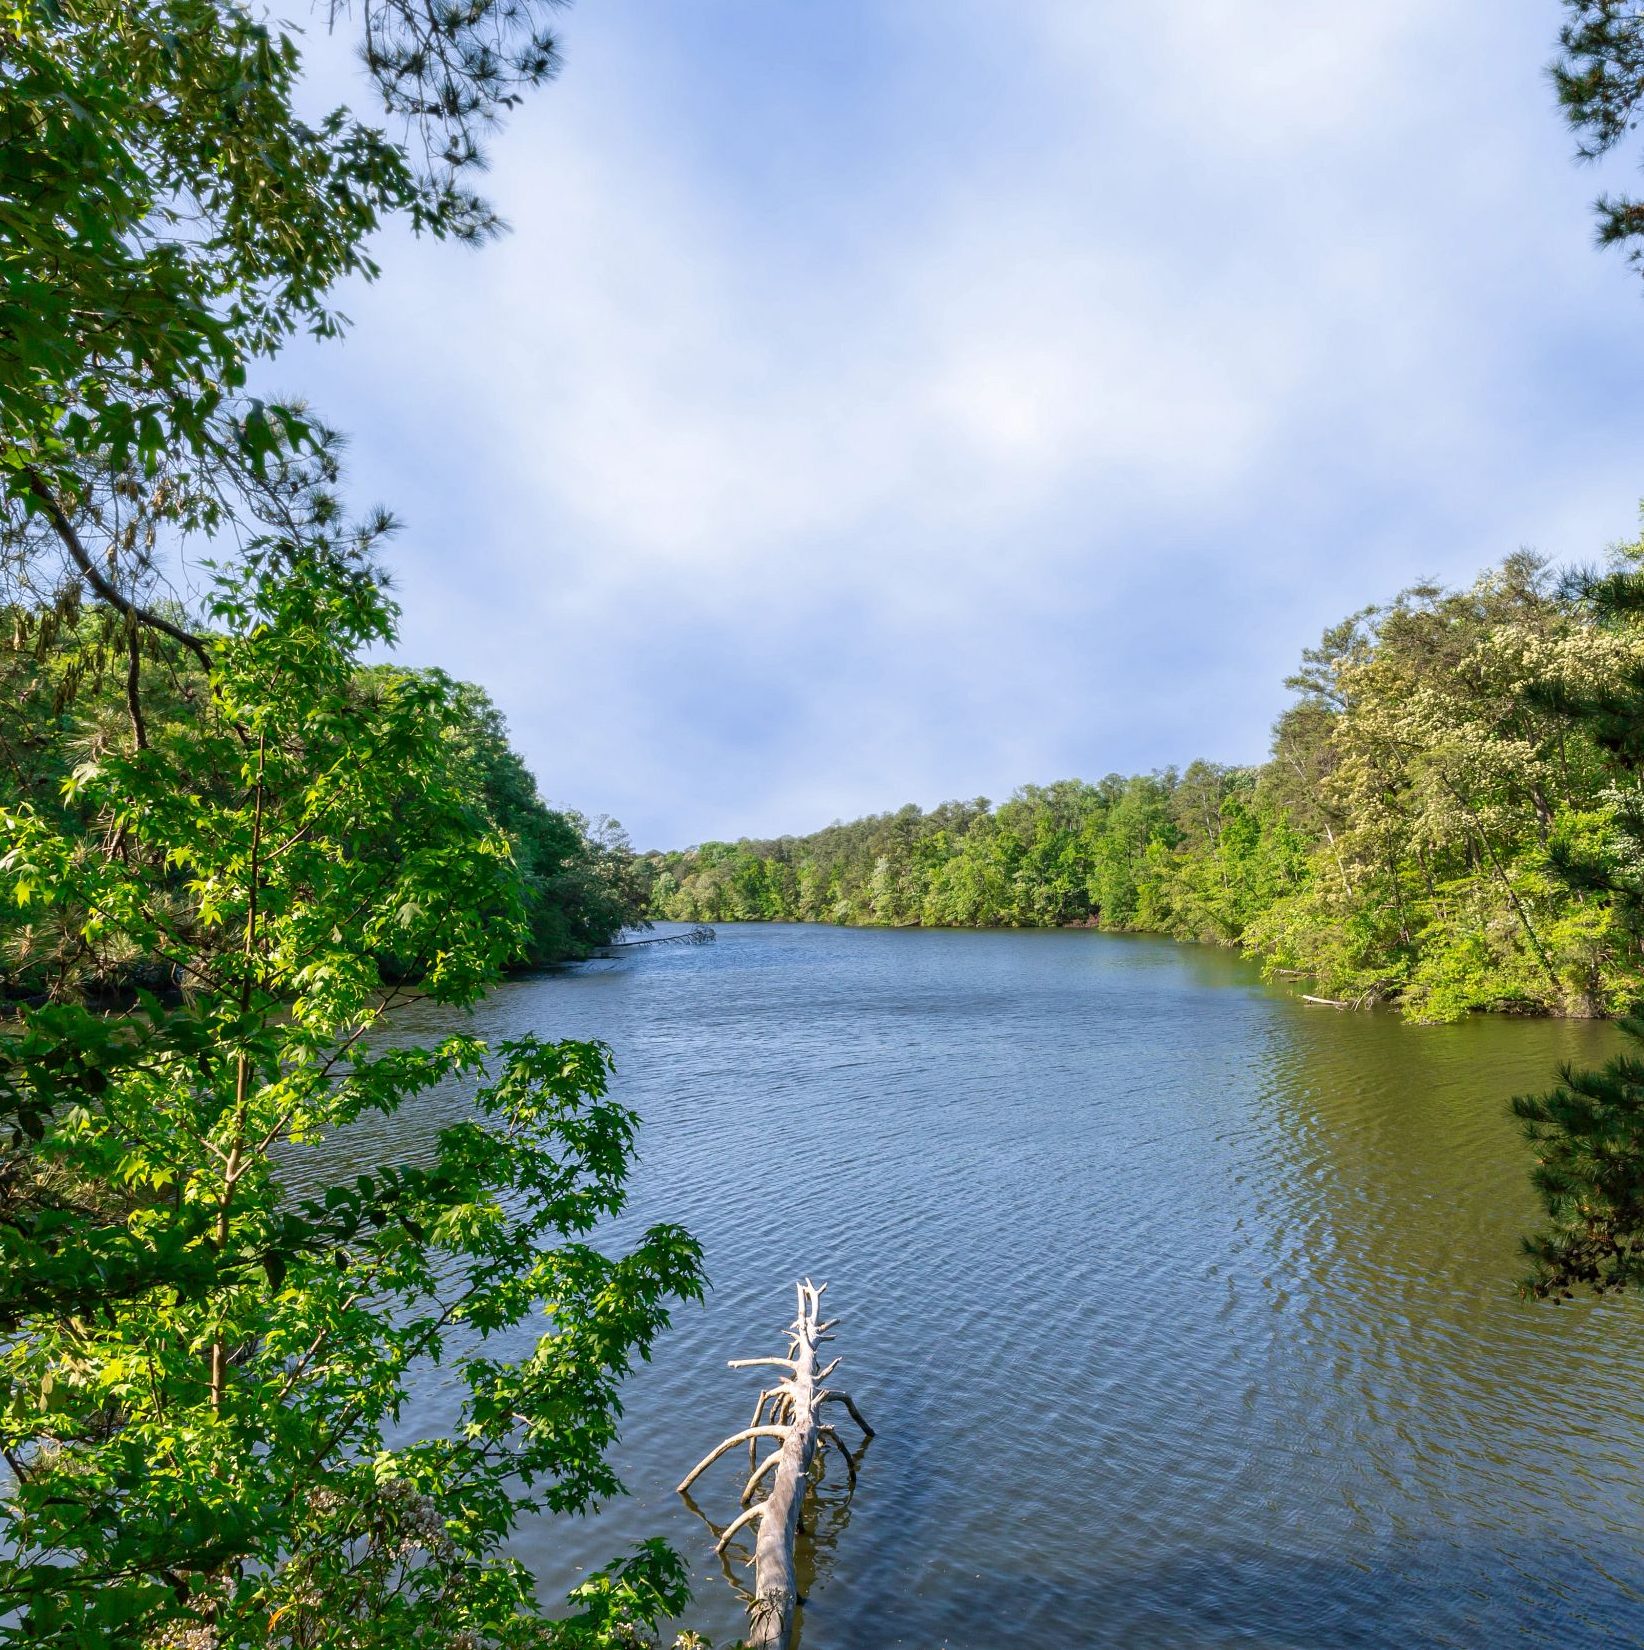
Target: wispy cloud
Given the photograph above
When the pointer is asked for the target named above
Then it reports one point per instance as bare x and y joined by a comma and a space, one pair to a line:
920, 400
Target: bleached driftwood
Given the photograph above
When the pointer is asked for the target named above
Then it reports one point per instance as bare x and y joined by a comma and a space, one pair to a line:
699, 936
795, 1405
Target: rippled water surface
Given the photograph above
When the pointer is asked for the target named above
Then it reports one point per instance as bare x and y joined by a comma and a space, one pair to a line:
1184, 1311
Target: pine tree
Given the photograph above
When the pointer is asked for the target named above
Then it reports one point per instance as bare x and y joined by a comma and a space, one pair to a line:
1599, 75
1588, 1132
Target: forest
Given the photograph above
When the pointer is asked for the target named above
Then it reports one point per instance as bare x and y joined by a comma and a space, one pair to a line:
66, 701
1408, 840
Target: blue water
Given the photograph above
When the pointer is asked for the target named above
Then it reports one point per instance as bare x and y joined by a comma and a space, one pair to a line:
1184, 1310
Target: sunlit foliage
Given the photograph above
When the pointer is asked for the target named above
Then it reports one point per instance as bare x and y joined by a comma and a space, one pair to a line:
1404, 842
202, 1372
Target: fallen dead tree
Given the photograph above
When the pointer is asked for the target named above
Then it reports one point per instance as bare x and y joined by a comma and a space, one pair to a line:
700, 935
789, 1414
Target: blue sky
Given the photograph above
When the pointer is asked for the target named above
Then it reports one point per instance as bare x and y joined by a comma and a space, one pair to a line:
886, 402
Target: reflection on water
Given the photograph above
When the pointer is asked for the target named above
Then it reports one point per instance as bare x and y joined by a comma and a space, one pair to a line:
1184, 1311
827, 1515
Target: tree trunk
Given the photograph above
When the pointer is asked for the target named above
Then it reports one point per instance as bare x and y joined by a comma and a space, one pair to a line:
795, 1403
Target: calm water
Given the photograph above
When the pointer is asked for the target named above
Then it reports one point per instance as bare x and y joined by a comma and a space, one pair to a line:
1184, 1311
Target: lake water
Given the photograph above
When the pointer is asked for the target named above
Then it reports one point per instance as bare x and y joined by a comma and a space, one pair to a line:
1184, 1311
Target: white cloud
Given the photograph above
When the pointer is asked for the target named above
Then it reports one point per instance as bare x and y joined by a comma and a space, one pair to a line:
1022, 408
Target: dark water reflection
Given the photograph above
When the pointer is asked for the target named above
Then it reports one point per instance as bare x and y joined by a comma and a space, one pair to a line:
1184, 1311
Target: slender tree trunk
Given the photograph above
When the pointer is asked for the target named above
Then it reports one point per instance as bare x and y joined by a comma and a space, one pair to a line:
1507, 887
235, 1164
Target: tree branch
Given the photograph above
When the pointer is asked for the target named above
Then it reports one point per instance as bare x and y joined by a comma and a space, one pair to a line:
106, 591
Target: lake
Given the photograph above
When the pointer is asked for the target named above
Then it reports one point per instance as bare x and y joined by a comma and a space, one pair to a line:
1184, 1311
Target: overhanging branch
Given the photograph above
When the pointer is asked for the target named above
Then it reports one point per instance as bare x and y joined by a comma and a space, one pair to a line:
105, 590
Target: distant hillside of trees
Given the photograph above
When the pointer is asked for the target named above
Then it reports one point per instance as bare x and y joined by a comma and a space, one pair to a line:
1407, 840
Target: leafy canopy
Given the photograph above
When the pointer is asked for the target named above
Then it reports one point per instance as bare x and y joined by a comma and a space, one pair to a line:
203, 1372
167, 215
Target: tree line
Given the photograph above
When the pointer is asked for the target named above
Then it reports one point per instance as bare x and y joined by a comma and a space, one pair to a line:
64, 708
1406, 841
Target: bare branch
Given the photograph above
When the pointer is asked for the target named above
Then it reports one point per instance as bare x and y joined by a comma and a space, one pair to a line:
746, 1516
856, 1414
730, 1443
832, 1437
758, 1473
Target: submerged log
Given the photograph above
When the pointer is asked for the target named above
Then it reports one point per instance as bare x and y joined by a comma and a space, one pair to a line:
700, 935
795, 1404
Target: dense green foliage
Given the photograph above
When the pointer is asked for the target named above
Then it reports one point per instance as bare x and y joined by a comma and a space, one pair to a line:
1588, 1136
65, 681
1402, 843
226, 845
582, 882
167, 216
202, 1372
